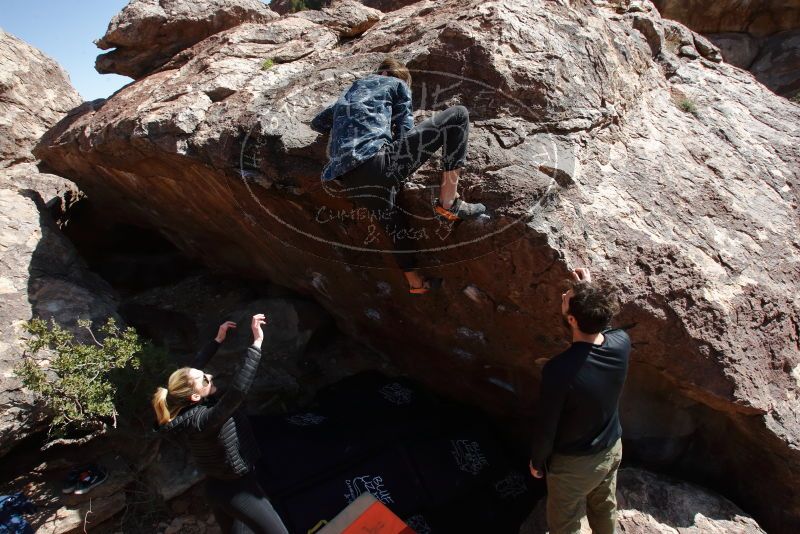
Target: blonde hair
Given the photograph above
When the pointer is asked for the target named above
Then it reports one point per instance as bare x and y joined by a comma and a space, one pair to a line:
395, 68
169, 401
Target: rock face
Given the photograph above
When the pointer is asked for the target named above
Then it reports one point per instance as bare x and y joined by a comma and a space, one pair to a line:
23, 119
777, 65
761, 36
602, 136
652, 504
388, 5
347, 17
42, 274
147, 33
303, 351
756, 17
288, 6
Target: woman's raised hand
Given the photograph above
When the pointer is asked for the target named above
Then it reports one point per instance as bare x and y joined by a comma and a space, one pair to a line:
259, 319
223, 331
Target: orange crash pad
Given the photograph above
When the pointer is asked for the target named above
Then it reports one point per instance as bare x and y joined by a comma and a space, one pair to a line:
366, 515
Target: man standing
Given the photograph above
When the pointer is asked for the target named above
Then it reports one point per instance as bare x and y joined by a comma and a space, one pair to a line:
577, 441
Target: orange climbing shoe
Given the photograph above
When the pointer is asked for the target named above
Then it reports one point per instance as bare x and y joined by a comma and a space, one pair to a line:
460, 210
428, 285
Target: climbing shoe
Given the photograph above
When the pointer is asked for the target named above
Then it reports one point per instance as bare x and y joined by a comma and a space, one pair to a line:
428, 285
71, 482
460, 210
89, 479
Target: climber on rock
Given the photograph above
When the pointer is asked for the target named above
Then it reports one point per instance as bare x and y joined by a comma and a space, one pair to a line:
577, 441
374, 148
219, 435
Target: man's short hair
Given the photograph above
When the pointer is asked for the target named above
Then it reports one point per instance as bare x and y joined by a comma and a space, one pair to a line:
593, 305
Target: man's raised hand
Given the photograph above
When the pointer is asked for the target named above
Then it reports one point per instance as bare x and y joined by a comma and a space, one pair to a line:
223, 331
535, 473
581, 274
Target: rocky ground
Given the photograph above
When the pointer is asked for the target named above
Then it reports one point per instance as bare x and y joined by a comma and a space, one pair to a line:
653, 504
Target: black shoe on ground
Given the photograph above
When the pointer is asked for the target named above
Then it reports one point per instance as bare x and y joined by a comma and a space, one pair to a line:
71, 482
89, 479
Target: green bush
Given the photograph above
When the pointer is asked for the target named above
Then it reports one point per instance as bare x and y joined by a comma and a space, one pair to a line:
89, 385
796, 98
267, 64
688, 106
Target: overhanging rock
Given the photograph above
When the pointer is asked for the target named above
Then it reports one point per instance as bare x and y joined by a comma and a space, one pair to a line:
675, 177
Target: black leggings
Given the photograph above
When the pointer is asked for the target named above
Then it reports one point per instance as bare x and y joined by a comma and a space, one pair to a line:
375, 182
240, 506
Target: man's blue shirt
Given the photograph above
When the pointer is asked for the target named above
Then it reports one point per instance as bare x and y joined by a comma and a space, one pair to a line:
374, 111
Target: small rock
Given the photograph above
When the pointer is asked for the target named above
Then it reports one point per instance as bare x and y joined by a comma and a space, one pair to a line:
651, 31
475, 294
707, 49
688, 51
175, 527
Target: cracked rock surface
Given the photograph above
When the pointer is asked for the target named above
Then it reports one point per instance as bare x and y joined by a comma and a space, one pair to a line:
760, 36
41, 273
602, 136
147, 33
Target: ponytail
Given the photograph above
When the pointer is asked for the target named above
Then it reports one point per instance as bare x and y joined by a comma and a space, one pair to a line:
168, 402
160, 406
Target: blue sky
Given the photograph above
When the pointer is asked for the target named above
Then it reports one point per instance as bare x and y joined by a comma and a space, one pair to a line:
64, 30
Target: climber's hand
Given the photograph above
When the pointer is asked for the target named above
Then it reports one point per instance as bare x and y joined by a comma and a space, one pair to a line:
223, 331
581, 274
535, 473
258, 320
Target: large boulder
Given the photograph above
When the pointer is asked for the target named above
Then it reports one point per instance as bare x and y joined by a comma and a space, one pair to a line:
778, 64
147, 33
347, 17
600, 137
42, 274
289, 6
655, 504
761, 36
303, 350
738, 48
756, 17
36, 93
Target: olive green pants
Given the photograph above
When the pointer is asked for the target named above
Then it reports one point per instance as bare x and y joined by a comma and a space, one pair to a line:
583, 484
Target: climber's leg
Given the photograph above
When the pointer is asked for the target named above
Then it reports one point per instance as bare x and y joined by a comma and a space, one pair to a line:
448, 190
370, 186
449, 130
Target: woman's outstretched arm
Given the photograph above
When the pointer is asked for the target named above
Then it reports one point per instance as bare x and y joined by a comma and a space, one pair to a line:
208, 350
240, 384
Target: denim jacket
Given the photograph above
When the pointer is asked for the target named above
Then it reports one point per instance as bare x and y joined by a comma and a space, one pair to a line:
374, 111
